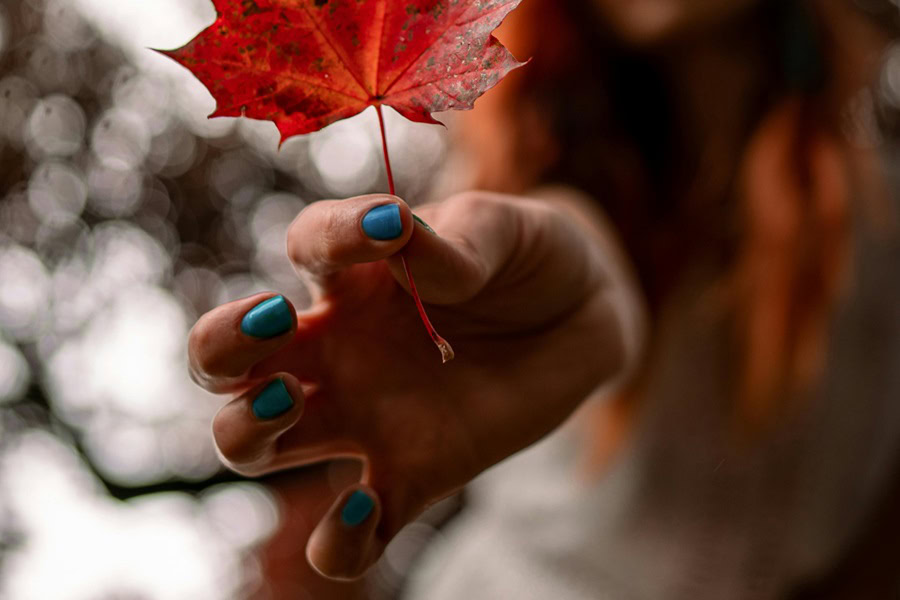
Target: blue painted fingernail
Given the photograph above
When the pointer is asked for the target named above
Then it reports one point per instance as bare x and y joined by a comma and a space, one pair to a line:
268, 319
357, 508
383, 222
273, 401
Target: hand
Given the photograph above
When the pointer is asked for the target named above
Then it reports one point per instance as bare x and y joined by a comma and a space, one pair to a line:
519, 289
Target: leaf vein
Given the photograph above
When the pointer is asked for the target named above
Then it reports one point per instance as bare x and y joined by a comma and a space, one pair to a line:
294, 77
452, 24
333, 47
380, 45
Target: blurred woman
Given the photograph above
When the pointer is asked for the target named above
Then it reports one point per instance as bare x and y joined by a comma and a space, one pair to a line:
736, 148
713, 253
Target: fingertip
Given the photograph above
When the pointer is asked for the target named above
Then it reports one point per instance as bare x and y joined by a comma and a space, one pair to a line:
382, 223
294, 388
385, 223
277, 397
357, 508
246, 429
331, 235
272, 317
226, 342
344, 544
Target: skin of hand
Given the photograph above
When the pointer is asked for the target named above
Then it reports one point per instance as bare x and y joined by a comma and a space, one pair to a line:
518, 286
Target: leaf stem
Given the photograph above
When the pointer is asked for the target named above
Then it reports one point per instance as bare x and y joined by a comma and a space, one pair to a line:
443, 345
447, 353
387, 158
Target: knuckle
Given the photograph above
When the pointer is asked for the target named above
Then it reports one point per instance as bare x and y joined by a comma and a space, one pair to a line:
204, 360
210, 364
299, 233
196, 376
242, 453
294, 241
468, 201
312, 239
486, 205
479, 214
329, 252
245, 470
198, 336
228, 446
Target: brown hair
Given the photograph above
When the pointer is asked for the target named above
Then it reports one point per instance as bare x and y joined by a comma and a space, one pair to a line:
772, 223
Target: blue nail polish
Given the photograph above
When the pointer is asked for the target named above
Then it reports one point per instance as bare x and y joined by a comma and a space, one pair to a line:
273, 401
383, 222
357, 508
268, 319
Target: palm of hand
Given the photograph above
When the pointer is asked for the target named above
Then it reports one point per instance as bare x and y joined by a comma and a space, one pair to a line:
380, 390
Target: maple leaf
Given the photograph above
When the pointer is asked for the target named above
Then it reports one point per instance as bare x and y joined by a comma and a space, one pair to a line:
307, 63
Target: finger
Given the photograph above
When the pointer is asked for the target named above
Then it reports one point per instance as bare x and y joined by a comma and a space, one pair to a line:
303, 497
469, 239
262, 431
345, 543
330, 235
246, 429
363, 520
532, 251
227, 341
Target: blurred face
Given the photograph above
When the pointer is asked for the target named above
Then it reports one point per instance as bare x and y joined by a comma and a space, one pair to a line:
649, 22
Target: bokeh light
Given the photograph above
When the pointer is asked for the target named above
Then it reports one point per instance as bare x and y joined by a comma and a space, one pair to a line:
55, 127
890, 80
57, 193
124, 359
243, 513
25, 293
121, 139
17, 98
15, 373
168, 546
125, 214
344, 155
65, 28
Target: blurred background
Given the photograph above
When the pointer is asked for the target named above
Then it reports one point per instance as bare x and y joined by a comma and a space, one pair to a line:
124, 215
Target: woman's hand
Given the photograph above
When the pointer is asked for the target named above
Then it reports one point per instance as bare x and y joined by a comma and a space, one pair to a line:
518, 288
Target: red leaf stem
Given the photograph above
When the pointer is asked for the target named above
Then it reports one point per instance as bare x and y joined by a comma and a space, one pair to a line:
447, 353
387, 158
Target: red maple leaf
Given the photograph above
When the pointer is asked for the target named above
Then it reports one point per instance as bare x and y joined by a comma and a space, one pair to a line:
307, 63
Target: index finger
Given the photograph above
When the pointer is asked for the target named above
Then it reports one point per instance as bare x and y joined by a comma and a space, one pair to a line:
331, 235
227, 341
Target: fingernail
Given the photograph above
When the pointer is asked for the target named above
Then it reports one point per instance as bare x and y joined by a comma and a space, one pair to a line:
273, 401
268, 319
424, 224
383, 222
358, 507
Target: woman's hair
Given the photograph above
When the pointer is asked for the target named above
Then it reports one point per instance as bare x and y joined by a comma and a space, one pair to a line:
766, 229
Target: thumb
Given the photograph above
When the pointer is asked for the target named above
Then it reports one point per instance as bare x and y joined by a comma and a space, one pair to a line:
345, 543
468, 240
331, 235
